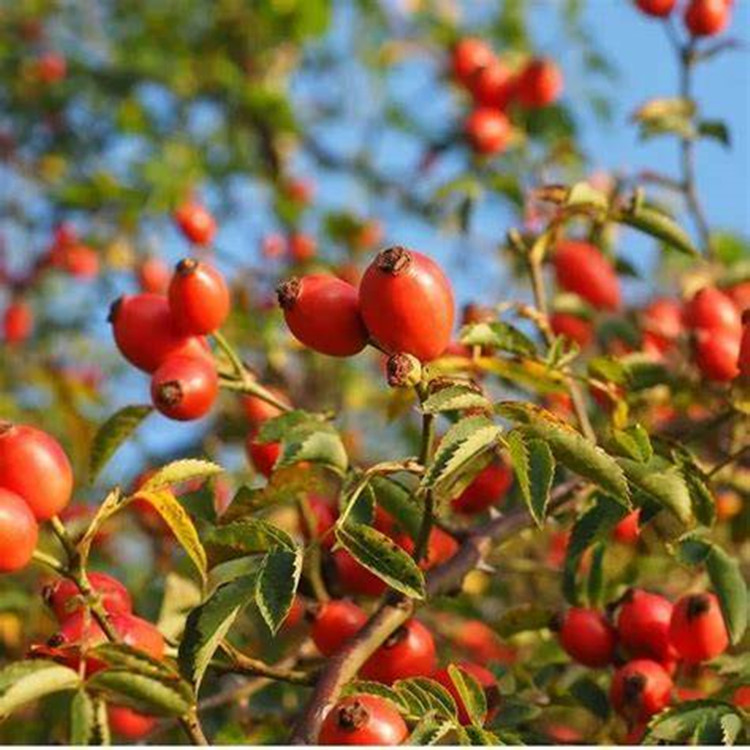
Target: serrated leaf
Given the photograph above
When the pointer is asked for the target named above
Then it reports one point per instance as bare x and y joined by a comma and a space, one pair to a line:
180, 524
109, 507
731, 589
422, 694
679, 724
634, 443
276, 429
659, 225
180, 471
498, 335
26, 681
429, 730
471, 694
568, 446
89, 724
702, 501
317, 443
207, 625
464, 441
595, 582
399, 503
157, 696
276, 585
481, 737
455, 398
534, 470
248, 536
523, 618
122, 656
594, 525
662, 482
367, 687
113, 433
383, 557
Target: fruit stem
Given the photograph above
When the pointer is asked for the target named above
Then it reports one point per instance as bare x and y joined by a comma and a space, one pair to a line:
51, 562
230, 353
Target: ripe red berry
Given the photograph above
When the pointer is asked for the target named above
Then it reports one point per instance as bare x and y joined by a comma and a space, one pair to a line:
539, 84
697, 628
493, 86
323, 313
488, 131
707, 17
146, 334
335, 623
153, 276
129, 724
483, 676
741, 697
488, 488
35, 467
263, 455
64, 596
743, 362
18, 322
717, 353
628, 530
482, 643
643, 626
408, 652
640, 689
324, 515
363, 720
355, 578
711, 309
574, 327
81, 261
587, 637
18, 532
656, 8
184, 388
582, 269
196, 223
198, 297
258, 411
662, 319
407, 303
51, 67
302, 247
740, 295
469, 57
441, 546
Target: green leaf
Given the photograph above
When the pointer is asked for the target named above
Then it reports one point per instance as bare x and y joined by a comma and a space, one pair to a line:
595, 583
276, 429
662, 482
248, 536
317, 443
421, 694
157, 696
702, 501
207, 625
383, 557
89, 724
398, 502
122, 656
464, 441
534, 469
471, 694
481, 737
180, 524
634, 443
715, 129
679, 724
276, 585
523, 618
357, 687
657, 224
112, 503
731, 589
456, 398
594, 525
568, 446
498, 335
591, 696
26, 681
429, 730
113, 433
180, 471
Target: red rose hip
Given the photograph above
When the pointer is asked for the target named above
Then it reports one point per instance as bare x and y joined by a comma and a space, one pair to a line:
711, 309
539, 84
34, 466
18, 532
363, 720
640, 689
643, 626
587, 637
408, 652
323, 313
184, 388
198, 297
196, 223
582, 269
488, 131
488, 488
469, 57
697, 628
707, 17
407, 303
335, 623
656, 8
64, 597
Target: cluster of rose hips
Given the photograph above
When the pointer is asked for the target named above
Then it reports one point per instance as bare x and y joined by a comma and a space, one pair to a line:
701, 17
649, 639
36, 483
164, 335
713, 317
79, 632
494, 87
